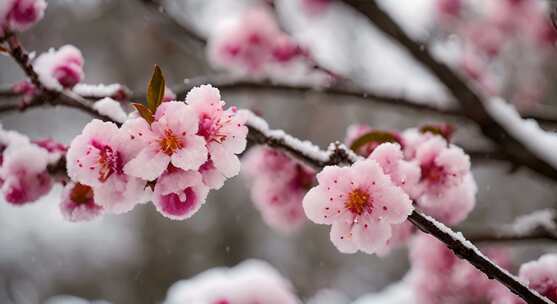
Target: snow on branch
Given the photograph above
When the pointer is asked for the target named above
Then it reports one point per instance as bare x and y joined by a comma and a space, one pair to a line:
473, 105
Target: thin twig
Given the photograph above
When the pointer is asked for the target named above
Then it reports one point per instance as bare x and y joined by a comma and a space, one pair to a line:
472, 104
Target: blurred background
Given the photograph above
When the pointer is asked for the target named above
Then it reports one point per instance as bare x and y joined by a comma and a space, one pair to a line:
135, 258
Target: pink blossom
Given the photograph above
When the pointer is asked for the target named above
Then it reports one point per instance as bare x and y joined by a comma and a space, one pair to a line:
360, 202
438, 276
449, 9
170, 139
19, 15
26, 89
250, 282
60, 69
447, 184
23, 174
541, 275
78, 204
224, 132
179, 194
251, 43
96, 158
278, 185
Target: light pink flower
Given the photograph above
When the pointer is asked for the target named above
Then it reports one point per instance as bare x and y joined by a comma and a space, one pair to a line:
223, 130
360, 202
179, 194
438, 276
19, 15
403, 173
97, 157
250, 282
78, 203
448, 188
170, 139
278, 185
60, 69
541, 275
23, 174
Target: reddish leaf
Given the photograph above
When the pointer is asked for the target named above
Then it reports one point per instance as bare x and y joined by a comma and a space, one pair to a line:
155, 90
144, 112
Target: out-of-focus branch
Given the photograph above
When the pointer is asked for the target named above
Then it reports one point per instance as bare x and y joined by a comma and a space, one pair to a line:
540, 225
472, 104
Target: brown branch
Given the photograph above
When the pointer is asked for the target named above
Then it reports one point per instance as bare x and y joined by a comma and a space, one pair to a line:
259, 133
472, 104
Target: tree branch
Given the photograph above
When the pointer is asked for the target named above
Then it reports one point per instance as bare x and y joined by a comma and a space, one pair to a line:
311, 154
472, 104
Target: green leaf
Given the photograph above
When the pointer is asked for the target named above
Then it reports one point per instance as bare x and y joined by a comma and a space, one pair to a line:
144, 112
373, 137
155, 90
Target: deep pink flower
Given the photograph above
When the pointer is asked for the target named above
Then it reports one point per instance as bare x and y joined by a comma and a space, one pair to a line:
360, 202
78, 203
23, 174
97, 157
55, 149
19, 15
60, 69
170, 139
224, 132
250, 282
278, 185
179, 194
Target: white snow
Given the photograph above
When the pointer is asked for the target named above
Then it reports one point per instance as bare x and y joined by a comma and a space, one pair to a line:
397, 293
527, 131
98, 90
305, 147
538, 219
111, 108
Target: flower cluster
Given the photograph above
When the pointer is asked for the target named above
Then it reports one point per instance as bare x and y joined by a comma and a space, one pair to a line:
254, 45
250, 282
173, 155
278, 184
19, 15
367, 204
494, 36
540, 275
24, 175
439, 276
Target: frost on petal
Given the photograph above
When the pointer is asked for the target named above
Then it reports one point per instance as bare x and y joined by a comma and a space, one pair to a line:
60, 69
212, 178
251, 281
121, 194
23, 174
179, 194
78, 203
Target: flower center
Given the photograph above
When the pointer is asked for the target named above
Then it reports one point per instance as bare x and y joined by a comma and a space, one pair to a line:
433, 173
170, 143
109, 162
358, 201
210, 129
81, 194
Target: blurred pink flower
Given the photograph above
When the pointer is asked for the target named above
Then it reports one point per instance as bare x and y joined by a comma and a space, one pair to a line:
60, 69
78, 204
19, 15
